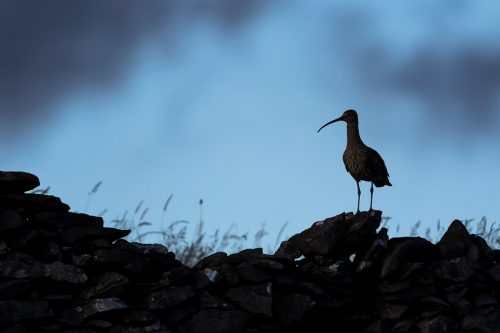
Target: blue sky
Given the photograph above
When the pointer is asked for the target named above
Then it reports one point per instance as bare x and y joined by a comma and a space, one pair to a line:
222, 102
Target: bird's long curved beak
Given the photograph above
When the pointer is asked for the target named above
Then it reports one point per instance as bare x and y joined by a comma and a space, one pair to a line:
331, 122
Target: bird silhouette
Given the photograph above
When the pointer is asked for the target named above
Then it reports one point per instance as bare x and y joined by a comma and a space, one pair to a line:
361, 161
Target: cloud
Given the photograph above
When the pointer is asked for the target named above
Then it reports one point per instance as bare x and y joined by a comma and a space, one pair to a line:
53, 47
451, 73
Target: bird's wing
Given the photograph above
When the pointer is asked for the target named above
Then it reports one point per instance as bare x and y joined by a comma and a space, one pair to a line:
376, 166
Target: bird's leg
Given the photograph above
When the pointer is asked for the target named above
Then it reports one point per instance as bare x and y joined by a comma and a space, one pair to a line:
371, 196
359, 195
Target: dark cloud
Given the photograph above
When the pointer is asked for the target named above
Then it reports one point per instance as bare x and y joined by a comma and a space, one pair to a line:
453, 78
459, 85
52, 47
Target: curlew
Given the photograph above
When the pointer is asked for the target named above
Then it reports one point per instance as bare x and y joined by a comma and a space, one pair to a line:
361, 161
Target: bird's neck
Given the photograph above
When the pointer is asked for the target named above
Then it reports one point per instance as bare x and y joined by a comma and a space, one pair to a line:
353, 134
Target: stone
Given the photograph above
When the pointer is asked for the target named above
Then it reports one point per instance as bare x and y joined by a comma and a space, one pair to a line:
484, 300
58, 271
433, 303
440, 324
15, 289
220, 263
322, 236
412, 293
75, 234
455, 241
290, 309
100, 324
12, 312
10, 220
106, 284
268, 264
17, 182
494, 273
206, 277
370, 259
50, 251
387, 287
405, 249
63, 220
138, 317
288, 250
484, 320
362, 230
216, 321
457, 269
125, 261
255, 299
32, 203
391, 311
250, 273
151, 328
207, 300
86, 310
245, 255
168, 298
404, 326
22, 239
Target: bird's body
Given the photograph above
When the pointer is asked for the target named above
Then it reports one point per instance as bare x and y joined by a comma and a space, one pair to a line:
361, 161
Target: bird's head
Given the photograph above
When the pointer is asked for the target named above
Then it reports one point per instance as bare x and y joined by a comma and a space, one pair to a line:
349, 116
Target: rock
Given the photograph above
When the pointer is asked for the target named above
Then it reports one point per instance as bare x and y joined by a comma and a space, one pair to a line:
168, 298
361, 231
58, 271
100, 324
13, 311
322, 236
288, 250
50, 251
245, 255
138, 318
250, 273
151, 328
220, 263
484, 300
208, 300
405, 249
291, 308
75, 234
370, 259
15, 289
387, 287
404, 326
433, 303
269, 264
440, 324
457, 269
32, 203
391, 311
455, 242
17, 182
412, 293
484, 320
10, 220
105, 285
494, 273
62, 220
255, 299
125, 261
206, 277
216, 321
84, 311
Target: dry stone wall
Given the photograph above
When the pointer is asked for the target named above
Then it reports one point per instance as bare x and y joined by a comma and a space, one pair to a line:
65, 272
